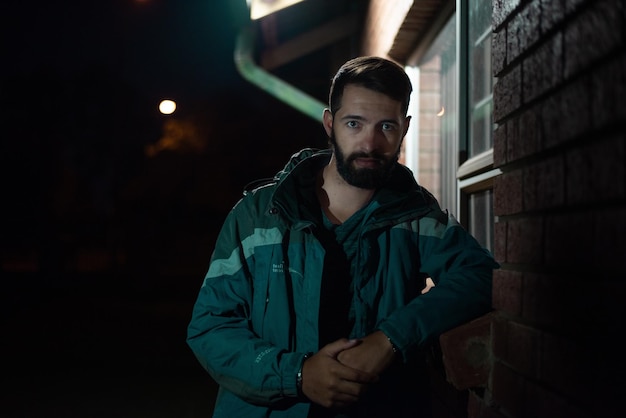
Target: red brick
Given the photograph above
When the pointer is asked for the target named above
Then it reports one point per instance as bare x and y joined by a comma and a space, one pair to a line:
550, 121
574, 112
430, 122
500, 239
478, 407
429, 161
609, 248
523, 30
508, 390
498, 52
430, 81
524, 348
544, 184
571, 6
560, 301
525, 241
542, 300
512, 138
507, 95
596, 172
499, 335
543, 70
502, 10
528, 140
514, 38
561, 250
552, 13
466, 353
508, 193
530, 17
500, 145
540, 402
575, 109
429, 101
592, 35
608, 92
507, 291
559, 355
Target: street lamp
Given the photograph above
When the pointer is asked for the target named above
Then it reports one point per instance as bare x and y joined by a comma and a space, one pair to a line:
167, 107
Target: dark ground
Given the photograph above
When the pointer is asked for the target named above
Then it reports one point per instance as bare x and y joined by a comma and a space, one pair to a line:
100, 350
102, 346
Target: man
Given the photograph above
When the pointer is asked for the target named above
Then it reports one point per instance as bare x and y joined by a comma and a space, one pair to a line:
312, 305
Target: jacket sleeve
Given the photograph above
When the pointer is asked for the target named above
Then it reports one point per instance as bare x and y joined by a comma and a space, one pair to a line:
462, 271
219, 332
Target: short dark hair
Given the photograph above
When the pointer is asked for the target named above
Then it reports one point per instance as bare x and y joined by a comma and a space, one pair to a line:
375, 73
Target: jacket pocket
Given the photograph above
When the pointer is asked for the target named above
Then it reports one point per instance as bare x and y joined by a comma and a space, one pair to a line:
271, 316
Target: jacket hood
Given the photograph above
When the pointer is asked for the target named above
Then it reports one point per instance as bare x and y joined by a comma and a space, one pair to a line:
294, 192
297, 158
293, 161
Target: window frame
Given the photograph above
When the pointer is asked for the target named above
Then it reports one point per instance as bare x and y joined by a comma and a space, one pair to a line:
470, 174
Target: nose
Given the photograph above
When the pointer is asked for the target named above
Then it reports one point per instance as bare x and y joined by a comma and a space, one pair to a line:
371, 138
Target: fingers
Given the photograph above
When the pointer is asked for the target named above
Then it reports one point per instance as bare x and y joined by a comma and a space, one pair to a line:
346, 371
374, 354
333, 349
331, 384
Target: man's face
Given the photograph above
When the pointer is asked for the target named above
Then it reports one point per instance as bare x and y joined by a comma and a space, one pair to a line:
366, 134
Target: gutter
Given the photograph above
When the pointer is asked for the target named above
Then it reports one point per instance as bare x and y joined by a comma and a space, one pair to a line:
273, 85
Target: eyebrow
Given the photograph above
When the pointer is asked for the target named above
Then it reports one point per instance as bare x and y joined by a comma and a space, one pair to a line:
358, 117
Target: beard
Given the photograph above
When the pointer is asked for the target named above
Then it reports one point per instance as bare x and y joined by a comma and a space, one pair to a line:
363, 178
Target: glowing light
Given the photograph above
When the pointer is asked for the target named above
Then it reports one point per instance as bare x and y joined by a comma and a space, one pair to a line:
262, 8
442, 111
167, 107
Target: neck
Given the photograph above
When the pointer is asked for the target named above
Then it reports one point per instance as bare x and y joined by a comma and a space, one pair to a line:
338, 199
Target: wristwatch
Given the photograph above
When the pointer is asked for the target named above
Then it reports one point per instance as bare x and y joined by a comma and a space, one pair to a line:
299, 375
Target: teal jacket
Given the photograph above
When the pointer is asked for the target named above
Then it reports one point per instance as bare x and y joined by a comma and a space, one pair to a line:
256, 314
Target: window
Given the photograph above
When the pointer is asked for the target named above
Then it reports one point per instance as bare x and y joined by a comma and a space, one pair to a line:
435, 80
475, 174
453, 136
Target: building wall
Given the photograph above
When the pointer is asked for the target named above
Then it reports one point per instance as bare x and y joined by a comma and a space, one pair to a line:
560, 109
559, 297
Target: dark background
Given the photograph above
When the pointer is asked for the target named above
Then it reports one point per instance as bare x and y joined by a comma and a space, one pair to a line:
110, 209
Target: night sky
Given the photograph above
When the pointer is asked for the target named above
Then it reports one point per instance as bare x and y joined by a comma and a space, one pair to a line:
110, 210
181, 49
92, 167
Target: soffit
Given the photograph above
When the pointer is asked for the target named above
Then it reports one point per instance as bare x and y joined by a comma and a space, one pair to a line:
414, 28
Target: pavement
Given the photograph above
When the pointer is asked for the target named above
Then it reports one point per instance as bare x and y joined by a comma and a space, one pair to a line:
98, 346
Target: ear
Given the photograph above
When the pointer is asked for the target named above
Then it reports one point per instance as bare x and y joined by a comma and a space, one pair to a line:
407, 123
327, 120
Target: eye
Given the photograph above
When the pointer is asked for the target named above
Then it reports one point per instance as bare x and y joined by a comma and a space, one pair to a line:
388, 126
352, 124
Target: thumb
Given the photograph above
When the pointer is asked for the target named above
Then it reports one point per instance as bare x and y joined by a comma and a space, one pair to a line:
333, 349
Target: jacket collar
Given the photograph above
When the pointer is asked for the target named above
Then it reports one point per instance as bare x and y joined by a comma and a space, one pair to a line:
295, 196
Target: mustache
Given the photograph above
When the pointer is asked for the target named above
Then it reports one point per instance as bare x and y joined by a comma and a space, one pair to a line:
374, 155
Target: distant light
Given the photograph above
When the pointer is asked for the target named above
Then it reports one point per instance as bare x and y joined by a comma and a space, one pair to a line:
262, 8
167, 107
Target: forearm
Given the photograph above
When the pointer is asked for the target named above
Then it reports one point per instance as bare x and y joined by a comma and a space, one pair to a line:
237, 358
456, 299
242, 363
374, 354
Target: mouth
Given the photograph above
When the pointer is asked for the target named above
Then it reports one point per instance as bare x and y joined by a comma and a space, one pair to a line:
367, 162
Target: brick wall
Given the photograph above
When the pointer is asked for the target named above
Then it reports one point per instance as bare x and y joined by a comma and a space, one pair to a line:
560, 296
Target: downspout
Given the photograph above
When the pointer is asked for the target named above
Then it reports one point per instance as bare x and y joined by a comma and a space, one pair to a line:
278, 88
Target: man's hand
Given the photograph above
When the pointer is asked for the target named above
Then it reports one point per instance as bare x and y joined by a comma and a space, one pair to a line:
373, 355
331, 384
